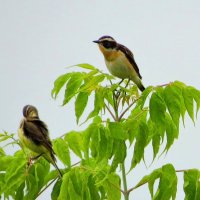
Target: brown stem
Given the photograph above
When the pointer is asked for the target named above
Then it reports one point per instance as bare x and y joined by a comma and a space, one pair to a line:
110, 112
124, 112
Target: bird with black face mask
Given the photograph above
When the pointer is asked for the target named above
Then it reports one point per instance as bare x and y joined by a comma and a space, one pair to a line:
33, 134
119, 60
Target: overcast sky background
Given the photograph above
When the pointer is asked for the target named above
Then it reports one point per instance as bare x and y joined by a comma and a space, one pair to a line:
38, 39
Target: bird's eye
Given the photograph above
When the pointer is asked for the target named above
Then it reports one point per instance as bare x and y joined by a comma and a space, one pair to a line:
108, 44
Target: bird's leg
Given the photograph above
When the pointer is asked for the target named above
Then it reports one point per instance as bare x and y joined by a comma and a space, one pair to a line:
120, 82
30, 160
127, 83
117, 94
36, 157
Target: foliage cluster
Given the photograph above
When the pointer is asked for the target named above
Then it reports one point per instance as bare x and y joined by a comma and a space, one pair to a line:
121, 120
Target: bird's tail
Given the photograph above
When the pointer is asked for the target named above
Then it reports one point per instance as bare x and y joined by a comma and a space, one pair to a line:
56, 166
141, 87
51, 158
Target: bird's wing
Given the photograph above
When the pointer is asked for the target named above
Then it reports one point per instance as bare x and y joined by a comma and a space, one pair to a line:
37, 131
130, 57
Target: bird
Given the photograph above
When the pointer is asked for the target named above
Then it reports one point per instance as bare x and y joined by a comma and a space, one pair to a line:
34, 135
119, 60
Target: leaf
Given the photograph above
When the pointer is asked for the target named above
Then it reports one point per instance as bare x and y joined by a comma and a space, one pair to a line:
72, 192
20, 192
80, 104
119, 148
144, 96
56, 190
14, 176
141, 142
191, 184
64, 187
95, 138
171, 132
74, 140
62, 151
5, 162
152, 177
196, 96
93, 189
72, 86
59, 83
172, 96
113, 193
157, 109
92, 83
86, 66
117, 131
188, 100
168, 184
98, 104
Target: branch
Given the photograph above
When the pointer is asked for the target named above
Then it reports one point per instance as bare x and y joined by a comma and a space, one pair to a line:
124, 112
115, 186
46, 187
110, 112
138, 185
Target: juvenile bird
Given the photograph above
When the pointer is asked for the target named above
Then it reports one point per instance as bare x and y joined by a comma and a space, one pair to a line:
119, 60
33, 134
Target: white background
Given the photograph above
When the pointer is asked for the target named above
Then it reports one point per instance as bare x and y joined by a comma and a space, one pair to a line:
38, 39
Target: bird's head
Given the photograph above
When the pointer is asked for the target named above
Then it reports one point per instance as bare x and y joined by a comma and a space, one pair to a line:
106, 43
30, 111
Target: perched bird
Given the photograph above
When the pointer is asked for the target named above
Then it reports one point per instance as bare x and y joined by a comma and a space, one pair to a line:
33, 134
119, 60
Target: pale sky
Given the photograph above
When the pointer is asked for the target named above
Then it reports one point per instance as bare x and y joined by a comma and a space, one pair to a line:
39, 39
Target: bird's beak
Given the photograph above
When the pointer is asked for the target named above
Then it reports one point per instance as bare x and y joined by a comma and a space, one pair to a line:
96, 41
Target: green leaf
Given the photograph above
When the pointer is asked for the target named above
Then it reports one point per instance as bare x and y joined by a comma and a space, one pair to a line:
113, 193
86, 66
72, 192
14, 176
102, 147
152, 177
171, 132
196, 96
191, 184
74, 140
188, 100
64, 187
117, 130
95, 138
144, 96
93, 189
157, 109
93, 83
98, 104
72, 86
80, 104
119, 148
141, 142
5, 162
56, 190
59, 83
172, 96
168, 184
62, 151
155, 144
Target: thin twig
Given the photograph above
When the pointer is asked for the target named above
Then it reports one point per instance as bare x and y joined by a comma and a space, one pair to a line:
124, 112
137, 186
110, 112
165, 84
46, 187
118, 188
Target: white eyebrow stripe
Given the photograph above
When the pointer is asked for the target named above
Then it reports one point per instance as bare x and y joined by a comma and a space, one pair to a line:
107, 39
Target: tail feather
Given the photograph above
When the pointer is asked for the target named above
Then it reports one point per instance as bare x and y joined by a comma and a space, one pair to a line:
141, 88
